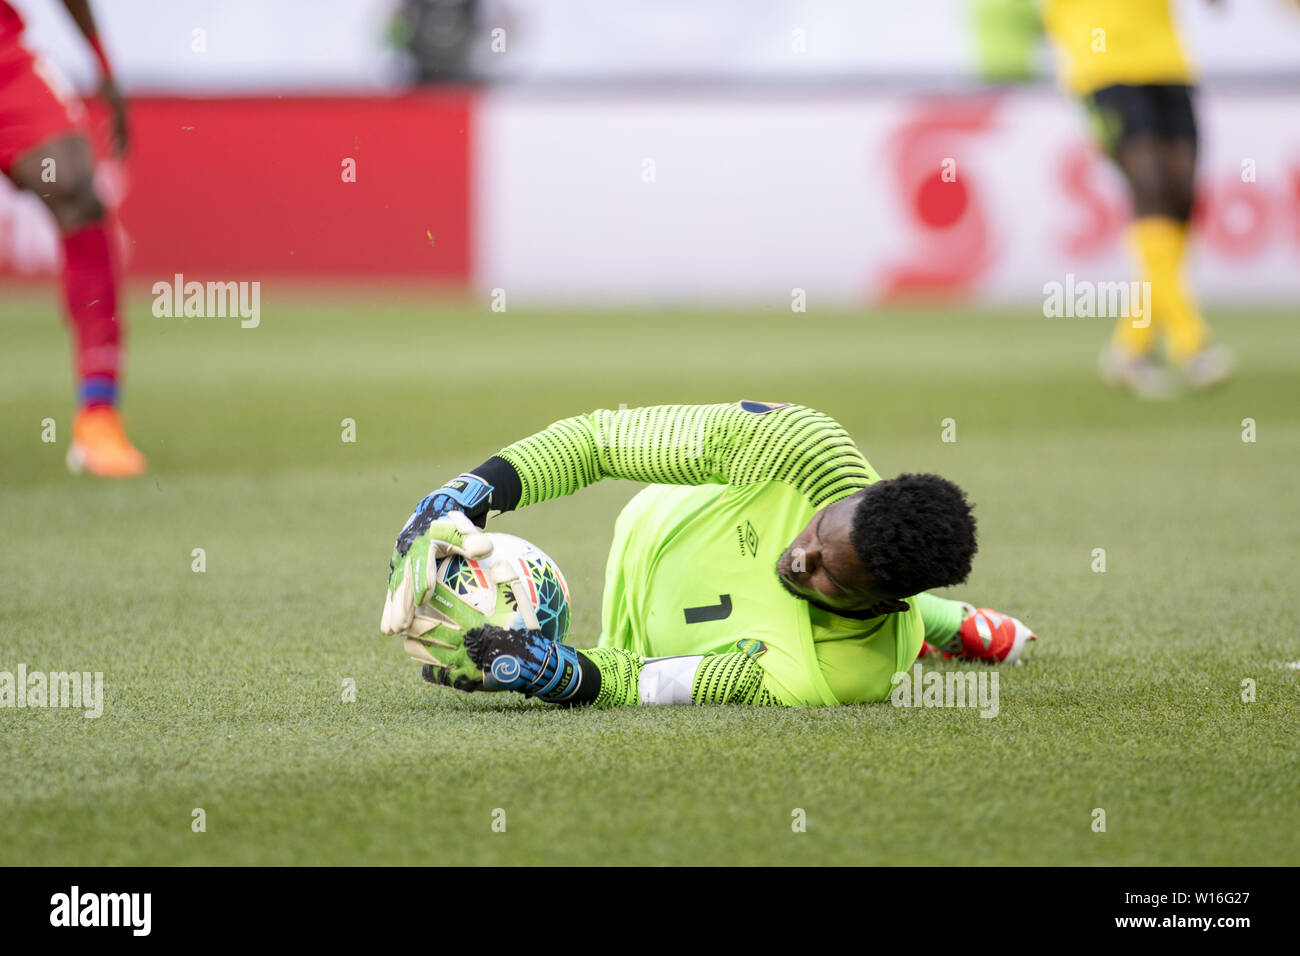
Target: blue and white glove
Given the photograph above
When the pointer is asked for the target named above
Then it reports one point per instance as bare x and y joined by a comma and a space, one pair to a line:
525, 661
465, 493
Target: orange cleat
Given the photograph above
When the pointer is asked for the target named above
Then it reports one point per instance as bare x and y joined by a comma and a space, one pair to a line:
100, 446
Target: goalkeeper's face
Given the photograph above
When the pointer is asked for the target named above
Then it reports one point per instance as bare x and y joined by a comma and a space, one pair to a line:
822, 566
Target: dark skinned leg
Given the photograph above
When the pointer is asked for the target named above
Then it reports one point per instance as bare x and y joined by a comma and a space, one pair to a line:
1185, 331
1178, 171
1139, 158
70, 195
1142, 161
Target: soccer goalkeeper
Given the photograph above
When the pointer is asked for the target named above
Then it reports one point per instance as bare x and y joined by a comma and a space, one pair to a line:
767, 563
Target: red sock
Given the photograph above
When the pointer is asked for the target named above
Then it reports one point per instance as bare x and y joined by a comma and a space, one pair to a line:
90, 293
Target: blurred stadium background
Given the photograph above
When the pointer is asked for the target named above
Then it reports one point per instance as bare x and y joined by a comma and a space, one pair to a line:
651, 151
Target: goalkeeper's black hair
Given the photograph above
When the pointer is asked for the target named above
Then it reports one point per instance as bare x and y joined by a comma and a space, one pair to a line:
913, 533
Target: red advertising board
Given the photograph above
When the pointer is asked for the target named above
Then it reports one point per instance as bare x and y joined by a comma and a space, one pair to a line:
264, 186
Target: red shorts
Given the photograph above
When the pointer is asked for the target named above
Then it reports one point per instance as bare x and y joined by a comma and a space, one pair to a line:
37, 104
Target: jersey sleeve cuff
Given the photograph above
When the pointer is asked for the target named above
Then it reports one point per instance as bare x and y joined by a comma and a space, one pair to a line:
507, 489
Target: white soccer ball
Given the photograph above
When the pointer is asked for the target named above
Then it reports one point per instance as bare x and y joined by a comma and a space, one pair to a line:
516, 571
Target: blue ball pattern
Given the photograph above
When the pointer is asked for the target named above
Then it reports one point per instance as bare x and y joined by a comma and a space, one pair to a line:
552, 609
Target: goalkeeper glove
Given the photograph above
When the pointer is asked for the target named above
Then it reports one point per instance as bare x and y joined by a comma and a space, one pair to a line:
526, 661
430, 615
467, 493
414, 573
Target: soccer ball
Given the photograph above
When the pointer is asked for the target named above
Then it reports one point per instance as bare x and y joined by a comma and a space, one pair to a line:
516, 571
516, 586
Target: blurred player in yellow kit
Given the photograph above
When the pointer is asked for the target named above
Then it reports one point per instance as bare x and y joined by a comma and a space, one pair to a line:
1123, 58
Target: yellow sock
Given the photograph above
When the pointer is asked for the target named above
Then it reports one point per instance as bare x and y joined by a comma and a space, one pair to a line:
1160, 242
1186, 332
1138, 339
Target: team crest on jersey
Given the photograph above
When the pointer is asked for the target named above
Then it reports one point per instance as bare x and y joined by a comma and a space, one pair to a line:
759, 408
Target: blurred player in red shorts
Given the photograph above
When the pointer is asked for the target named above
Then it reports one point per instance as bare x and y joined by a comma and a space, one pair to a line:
44, 148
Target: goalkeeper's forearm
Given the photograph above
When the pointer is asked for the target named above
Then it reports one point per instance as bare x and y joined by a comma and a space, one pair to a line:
682, 445
618, 678
528, 662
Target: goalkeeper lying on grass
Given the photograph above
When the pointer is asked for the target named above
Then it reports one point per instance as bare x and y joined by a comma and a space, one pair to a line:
767, 563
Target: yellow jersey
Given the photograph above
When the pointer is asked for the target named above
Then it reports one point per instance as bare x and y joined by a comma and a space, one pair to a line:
1108, 42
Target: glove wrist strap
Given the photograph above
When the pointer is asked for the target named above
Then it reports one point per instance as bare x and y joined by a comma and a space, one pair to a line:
561, 675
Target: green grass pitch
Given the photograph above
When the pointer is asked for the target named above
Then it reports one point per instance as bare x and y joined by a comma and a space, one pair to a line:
224, 689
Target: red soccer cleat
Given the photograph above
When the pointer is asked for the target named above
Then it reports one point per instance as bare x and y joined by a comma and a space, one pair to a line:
985, 635
989, 636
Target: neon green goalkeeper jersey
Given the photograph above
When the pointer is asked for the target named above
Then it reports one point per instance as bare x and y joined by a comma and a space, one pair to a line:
692, 567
